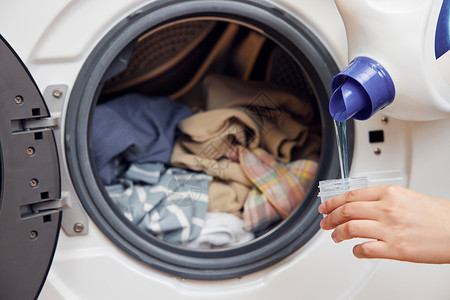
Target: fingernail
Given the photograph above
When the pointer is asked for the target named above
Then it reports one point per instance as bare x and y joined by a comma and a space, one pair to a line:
323, 224
333, 237
322, 208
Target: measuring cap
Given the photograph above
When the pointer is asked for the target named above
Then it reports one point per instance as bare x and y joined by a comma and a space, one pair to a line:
360, 90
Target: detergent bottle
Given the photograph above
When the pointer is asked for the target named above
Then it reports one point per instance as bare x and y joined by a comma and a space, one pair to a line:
399, 60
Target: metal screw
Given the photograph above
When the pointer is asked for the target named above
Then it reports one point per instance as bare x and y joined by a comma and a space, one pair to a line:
384, 120
18, 99
57, 93
33, 235
30, 151
78, 227
34, 182
377, 151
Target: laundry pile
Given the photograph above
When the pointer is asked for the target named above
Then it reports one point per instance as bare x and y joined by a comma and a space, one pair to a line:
213, 178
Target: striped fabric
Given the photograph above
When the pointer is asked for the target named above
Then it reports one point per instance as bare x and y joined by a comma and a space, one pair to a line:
169, 203
279, 188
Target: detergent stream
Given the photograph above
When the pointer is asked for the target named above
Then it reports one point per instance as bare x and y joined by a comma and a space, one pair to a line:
341, 138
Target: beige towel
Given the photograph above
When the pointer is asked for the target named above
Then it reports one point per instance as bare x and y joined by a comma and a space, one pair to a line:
229, 188
226, 196
285, 120
212, 133
247, 114
223, 169
222, 91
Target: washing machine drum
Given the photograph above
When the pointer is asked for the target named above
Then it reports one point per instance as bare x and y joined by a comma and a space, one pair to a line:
196, 134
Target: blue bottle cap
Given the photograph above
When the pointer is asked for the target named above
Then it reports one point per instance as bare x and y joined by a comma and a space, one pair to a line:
359, 91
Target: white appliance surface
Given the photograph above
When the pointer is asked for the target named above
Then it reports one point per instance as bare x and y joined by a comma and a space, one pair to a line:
54, 38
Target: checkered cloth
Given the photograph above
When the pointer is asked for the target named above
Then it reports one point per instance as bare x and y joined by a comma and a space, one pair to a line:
169, 203
279, 188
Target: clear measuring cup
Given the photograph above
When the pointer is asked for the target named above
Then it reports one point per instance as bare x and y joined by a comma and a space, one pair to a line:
334, 187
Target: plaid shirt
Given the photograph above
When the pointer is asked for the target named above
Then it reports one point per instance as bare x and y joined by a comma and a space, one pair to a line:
279, 188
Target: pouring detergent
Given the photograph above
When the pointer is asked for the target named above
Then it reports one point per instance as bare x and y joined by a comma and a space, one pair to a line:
359, 91
401, 43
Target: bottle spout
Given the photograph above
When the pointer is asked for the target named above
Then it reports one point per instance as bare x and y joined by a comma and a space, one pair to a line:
360, 90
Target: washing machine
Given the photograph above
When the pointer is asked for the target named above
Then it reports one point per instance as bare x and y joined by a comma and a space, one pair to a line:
61, 235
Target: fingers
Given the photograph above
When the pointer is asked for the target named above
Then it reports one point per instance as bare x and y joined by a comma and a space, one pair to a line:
350, 211
368, 229
367, 213
373, 249
366, 194
377, 248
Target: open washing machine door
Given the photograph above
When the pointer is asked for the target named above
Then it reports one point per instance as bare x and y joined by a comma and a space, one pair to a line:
30, 182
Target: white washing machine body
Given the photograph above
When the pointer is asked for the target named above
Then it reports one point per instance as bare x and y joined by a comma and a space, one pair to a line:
54, 39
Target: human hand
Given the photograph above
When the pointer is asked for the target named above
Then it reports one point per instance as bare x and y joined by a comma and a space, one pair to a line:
404, 225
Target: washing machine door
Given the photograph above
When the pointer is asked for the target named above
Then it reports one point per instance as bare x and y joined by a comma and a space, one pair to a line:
30, 182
